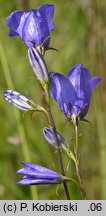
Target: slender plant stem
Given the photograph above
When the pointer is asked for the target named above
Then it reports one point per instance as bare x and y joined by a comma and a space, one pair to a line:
77, 164
17, 115
59, 151
76, 137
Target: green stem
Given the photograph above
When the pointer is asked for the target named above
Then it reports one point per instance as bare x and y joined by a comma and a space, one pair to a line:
51, 121
77, 165
76, 137
20, 128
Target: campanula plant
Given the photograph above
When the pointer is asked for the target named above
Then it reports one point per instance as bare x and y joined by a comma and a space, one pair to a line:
72, 93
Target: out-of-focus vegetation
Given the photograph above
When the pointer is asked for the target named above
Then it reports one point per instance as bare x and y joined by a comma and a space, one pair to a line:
80, 37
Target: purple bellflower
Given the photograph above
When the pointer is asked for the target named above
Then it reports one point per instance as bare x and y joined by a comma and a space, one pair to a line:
17, 100
35, 175
73, 93
38, 64
50, 137
33, 26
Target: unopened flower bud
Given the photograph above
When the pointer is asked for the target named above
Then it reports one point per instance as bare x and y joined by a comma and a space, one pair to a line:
38, 64
50, 137
17, 99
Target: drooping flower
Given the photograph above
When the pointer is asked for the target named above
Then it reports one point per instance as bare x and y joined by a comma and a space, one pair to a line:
50, 137
38, 64
73, 93
17, 99
34, 175
33, 26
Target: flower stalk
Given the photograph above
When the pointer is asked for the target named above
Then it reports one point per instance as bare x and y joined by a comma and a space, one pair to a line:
77, 165
51, 120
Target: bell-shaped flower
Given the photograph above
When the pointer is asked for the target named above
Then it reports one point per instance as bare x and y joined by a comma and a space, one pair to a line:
73, 93
17, 100
33, 26
38, 64
50, 137
34, 175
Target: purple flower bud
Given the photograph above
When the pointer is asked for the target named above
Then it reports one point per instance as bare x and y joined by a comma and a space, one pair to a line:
73, 93
17, 99
35, 175
50, 137
33, 26
38, 64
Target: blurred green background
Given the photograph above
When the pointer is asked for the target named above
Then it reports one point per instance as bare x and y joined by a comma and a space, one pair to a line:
80, 37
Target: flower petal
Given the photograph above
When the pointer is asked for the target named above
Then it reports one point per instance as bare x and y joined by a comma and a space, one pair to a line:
63, 92
33, 170
94, 81
35, 29
32, 181
47, 12
79, 76
13, 22
74, 73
